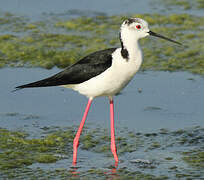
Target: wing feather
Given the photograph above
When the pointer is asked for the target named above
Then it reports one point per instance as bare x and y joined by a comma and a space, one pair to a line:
83, 70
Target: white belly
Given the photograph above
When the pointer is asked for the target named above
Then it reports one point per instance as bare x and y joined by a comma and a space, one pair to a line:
111, 81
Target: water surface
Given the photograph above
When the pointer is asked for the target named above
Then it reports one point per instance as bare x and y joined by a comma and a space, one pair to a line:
167, 100
158, 117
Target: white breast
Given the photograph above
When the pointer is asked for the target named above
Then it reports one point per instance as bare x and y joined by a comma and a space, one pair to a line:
114, 79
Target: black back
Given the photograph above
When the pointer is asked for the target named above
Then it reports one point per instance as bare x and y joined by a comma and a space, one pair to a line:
83, 70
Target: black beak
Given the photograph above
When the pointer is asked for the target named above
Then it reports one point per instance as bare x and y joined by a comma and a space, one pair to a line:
163, 37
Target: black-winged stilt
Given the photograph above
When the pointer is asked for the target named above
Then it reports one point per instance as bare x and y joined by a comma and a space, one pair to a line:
104, 73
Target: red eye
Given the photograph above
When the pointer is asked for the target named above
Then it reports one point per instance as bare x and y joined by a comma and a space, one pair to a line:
138, 27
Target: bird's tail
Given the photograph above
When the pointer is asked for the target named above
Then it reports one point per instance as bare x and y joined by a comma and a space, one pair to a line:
42, 83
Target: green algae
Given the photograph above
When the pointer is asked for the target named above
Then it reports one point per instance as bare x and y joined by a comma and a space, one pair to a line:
194, 158
154, 145
63, 42
46, 158
200, 4
184, 4
18, 152
75, 174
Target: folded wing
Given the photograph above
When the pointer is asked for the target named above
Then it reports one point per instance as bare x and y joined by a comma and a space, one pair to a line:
83, 70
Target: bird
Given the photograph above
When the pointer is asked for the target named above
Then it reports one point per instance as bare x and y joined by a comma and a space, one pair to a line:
104, 73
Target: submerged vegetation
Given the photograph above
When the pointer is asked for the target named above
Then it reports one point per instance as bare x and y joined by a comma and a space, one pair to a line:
61, 42
184, 4
178, 152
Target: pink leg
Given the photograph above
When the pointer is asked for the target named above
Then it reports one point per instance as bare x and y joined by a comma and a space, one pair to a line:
113, 147
76, 139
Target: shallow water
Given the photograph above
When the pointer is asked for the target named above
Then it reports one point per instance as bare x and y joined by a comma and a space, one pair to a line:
159, 116
36, 8
49, 6
167, 100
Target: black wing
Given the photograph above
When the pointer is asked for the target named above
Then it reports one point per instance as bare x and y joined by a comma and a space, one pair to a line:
83, 70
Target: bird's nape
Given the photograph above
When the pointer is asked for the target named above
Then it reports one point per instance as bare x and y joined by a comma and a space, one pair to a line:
151, 33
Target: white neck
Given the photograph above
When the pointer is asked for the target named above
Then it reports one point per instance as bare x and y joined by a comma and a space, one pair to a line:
130, 42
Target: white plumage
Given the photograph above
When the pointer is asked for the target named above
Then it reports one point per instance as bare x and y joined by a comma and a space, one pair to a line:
114, 79
103, 73
122, 70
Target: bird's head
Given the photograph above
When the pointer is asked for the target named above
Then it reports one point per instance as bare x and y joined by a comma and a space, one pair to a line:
138, 28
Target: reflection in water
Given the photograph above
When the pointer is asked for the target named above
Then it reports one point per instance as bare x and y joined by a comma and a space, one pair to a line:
111, 173
74, 172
